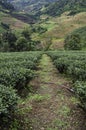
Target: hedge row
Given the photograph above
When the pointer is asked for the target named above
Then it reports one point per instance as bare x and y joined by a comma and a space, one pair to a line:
16, 70
73, 64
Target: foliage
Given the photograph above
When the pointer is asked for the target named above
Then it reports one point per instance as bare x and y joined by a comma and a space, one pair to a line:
10, 42
73, 64
82, 33
26, 34
39, 29
21, 44
80, 91
16, 70
61, 6
10, 38
8, 99
5, 4
5, 26
33, 6
72, 42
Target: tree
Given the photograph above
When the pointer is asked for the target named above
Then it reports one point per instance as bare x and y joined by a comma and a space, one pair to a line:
21, 44
26, 34
72, 42
33, 45
10, 38
0, 39
1, 44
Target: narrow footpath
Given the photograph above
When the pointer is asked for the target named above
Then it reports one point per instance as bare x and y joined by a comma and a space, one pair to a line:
53, 107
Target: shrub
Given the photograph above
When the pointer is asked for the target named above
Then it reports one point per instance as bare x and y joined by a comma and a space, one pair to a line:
10, 38
73, 63
26, 34
72, 42
5, 26
80, 91
8, 99
21, 44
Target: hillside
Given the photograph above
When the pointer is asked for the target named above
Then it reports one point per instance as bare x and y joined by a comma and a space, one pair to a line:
61, 6
49, 30
32, 6
50, 7
58, 28
4, 5
12, 22
12, 18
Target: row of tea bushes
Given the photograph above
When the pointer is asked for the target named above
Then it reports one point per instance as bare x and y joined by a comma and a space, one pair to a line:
73, 64
16, 70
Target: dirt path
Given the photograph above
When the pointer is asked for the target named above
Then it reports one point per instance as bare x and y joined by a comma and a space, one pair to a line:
52, 106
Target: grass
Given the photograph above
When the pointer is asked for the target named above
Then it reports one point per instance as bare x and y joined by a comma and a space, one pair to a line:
65, 111
74, 100
14, 23
38, 97
59, 27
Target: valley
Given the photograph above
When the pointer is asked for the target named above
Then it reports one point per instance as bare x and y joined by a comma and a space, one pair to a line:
42, 65
56, 27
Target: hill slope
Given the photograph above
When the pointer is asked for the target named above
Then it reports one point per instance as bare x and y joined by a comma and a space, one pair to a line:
6, 5
61, 6
9, 17
50, 7
58, 28
33, 6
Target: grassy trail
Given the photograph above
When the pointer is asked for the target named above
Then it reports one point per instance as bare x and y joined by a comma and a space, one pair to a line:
52, 106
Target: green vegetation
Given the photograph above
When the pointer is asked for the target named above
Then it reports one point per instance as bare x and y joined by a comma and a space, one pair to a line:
33, 6
73, 64
82, 33
72, 42
12, 18
74, 6
7, 5
76, 40
80, 90
10, 42
16, 70
32, 93
8, 100
57, 28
